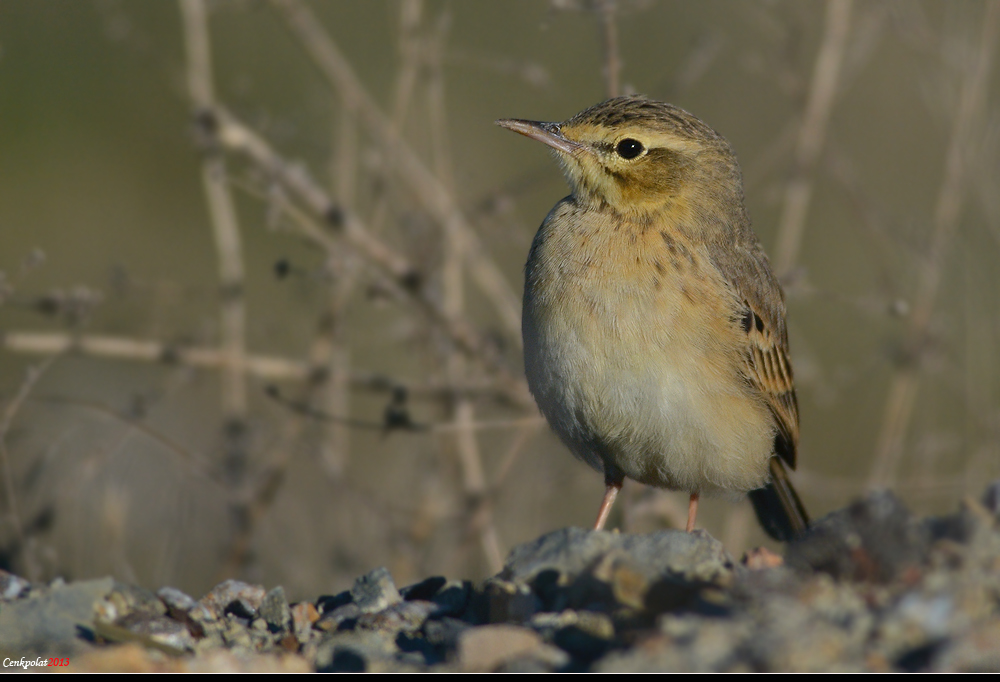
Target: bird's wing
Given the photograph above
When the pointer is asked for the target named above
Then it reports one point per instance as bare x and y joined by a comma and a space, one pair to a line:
769, 371
761, 317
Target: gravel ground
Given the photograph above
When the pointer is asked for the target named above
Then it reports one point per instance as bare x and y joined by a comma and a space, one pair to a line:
870, 588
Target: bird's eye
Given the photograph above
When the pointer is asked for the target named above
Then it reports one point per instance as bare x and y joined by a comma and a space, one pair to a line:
629, 148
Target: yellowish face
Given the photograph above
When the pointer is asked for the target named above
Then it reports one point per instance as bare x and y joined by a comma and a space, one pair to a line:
635, 168
642, 159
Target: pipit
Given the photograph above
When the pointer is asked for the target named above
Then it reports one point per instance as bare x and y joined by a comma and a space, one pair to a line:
654, 330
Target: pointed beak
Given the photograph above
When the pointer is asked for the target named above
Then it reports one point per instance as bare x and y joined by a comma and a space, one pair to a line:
547, 133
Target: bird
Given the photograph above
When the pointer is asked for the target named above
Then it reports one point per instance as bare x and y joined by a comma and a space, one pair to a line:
655, 341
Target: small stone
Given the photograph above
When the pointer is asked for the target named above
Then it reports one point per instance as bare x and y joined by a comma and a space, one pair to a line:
628, 586
582, 645
359, 652
760, 558
236, 635
485, 648
304, 615
176, 600
407, 616
375, 591
275, 611
331, 621
875, 539
453, 598
234, 596
12, 587
160, 632
424, 590
133, 599
444, 632
509, 602
328, 603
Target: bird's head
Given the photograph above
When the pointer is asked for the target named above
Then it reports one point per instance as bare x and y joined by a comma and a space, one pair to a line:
640, 157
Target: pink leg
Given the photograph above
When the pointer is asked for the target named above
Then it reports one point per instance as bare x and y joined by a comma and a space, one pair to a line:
610, 493
692, 511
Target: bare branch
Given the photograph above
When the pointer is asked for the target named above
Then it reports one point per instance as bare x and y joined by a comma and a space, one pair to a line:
425, 187
236, 137
612, 60
225, 226
812, 133
264, 368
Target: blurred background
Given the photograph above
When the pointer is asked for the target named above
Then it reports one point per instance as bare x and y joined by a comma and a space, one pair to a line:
261, 266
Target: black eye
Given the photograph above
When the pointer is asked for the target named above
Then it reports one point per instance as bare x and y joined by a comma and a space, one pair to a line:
629, 148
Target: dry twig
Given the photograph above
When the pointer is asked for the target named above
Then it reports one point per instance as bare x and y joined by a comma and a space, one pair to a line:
812, 133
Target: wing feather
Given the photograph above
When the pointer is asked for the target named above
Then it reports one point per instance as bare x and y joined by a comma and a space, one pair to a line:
761, 317
770, 373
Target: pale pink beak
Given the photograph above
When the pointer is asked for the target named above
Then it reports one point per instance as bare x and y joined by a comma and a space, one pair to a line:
547, 133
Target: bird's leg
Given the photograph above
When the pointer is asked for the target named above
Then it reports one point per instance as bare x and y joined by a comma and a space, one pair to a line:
612, 484
692, 511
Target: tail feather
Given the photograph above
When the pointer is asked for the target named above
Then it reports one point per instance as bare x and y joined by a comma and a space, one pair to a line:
778, 507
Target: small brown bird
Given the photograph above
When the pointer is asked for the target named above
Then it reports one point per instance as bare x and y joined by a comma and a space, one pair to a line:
654, 330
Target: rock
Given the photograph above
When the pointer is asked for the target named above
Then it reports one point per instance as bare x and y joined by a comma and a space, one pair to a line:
304, 615
363, 651
236, 597
602, 571
451, 596
275, 610
424, 590
131, 599
487, 648
375, 591
572, 552
49, 620
175, 600
508, 602
12, 587
346, 616
444, 633
328, 602
686, 644
874, 539
407, 616
157, 632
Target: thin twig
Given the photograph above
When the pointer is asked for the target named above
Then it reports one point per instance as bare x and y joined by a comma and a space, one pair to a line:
609, 35
905, 383
422, 183
812, 133
222, 211
263, 367
329, 349
124, 348
236, 137
452, 284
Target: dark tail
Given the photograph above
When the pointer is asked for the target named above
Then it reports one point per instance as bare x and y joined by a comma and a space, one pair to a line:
778, 507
